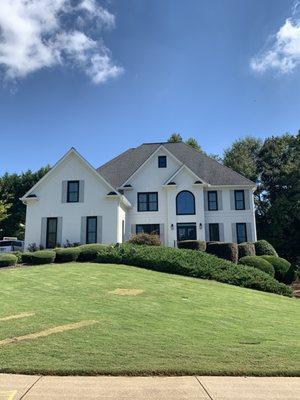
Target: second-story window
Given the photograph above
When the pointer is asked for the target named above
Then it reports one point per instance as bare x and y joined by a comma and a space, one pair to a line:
239, 199
148, 201
212, 200
185, 203
73, 192
162, 162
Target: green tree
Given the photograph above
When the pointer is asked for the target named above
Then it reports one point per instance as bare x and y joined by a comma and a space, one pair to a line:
4, 208
193, 143
175, 138
242, 157
278, 214
12, 187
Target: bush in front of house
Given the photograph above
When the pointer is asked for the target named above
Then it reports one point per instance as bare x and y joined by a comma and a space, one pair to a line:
41, 257
18, 254
246, 249
195, 264
145, 239
6, 260
227, 251
192, 244
67, 254
88, 252
26, 257
259, 263
281, 266
262, 248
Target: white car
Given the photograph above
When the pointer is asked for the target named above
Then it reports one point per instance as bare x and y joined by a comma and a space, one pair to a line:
11, 244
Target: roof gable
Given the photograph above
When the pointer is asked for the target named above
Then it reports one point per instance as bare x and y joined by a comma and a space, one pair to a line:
120, 169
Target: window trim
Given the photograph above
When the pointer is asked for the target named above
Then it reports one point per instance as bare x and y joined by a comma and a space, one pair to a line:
160, 158
68, 191
147, 202
235, 199
186, 225
87, 229
47, 232
208, 201
137, 225
209, 231
236, 229
187, 191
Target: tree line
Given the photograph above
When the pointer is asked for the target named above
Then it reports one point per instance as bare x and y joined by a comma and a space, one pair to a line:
273, 164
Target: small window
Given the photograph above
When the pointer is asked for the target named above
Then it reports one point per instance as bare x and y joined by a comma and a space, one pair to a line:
151, 229
185, 203
162, 162
239, 199
212, 200
51, 235
73, 192
148, 201
214, 234
241, 233
91, 230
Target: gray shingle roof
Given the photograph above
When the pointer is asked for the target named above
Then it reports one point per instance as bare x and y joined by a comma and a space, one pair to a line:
118, 170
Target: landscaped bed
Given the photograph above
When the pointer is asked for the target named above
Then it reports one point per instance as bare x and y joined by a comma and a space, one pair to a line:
89, 318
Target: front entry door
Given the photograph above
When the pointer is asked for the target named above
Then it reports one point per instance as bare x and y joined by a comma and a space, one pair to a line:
186, 231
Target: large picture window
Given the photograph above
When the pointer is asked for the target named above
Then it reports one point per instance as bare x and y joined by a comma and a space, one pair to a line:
148, 201
239, 199
73, 192
186, 231
151, 229
185, 203
91, 230
214, 233
241, 232
212, 200
51, 236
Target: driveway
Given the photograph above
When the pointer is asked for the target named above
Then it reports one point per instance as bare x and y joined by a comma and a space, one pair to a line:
17, 387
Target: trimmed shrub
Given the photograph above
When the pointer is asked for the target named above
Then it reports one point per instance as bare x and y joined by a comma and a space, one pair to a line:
145, 239
192, 244
259, 263
196, 264
227, 251
7, 259
66, 254
281, 266
246, 249
262, 248
18, 254
88, 252
26, 258
42, 257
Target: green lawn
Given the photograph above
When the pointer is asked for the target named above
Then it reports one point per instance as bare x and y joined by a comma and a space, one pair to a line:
177, 325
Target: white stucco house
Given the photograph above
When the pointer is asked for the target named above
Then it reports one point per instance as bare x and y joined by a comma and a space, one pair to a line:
168, 188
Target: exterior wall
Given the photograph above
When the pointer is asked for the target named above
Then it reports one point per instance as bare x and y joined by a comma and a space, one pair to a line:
50, 204
150, 178
227, 216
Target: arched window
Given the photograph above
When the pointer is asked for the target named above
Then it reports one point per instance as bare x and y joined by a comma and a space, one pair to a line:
185, 203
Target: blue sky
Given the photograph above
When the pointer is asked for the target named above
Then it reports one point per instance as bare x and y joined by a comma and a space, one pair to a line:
174, 66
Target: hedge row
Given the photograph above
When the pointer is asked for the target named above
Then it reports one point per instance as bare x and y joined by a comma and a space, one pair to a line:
259, 263
7, 260
192, 263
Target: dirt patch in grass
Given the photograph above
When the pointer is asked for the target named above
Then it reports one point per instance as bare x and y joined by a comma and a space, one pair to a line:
47, 332
16, 316
126, 292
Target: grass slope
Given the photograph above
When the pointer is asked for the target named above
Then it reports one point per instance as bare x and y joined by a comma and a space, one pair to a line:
178, 325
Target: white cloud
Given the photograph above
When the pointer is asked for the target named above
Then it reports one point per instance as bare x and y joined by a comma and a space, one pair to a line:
43, 33
283, 52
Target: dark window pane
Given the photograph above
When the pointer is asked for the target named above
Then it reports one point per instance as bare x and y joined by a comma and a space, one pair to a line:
162, 161
214, 234
147, 201
185, 203
241, 232
186, 231
91, 230
212, 201
148, 228
51, 235
239, 199
73, 192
